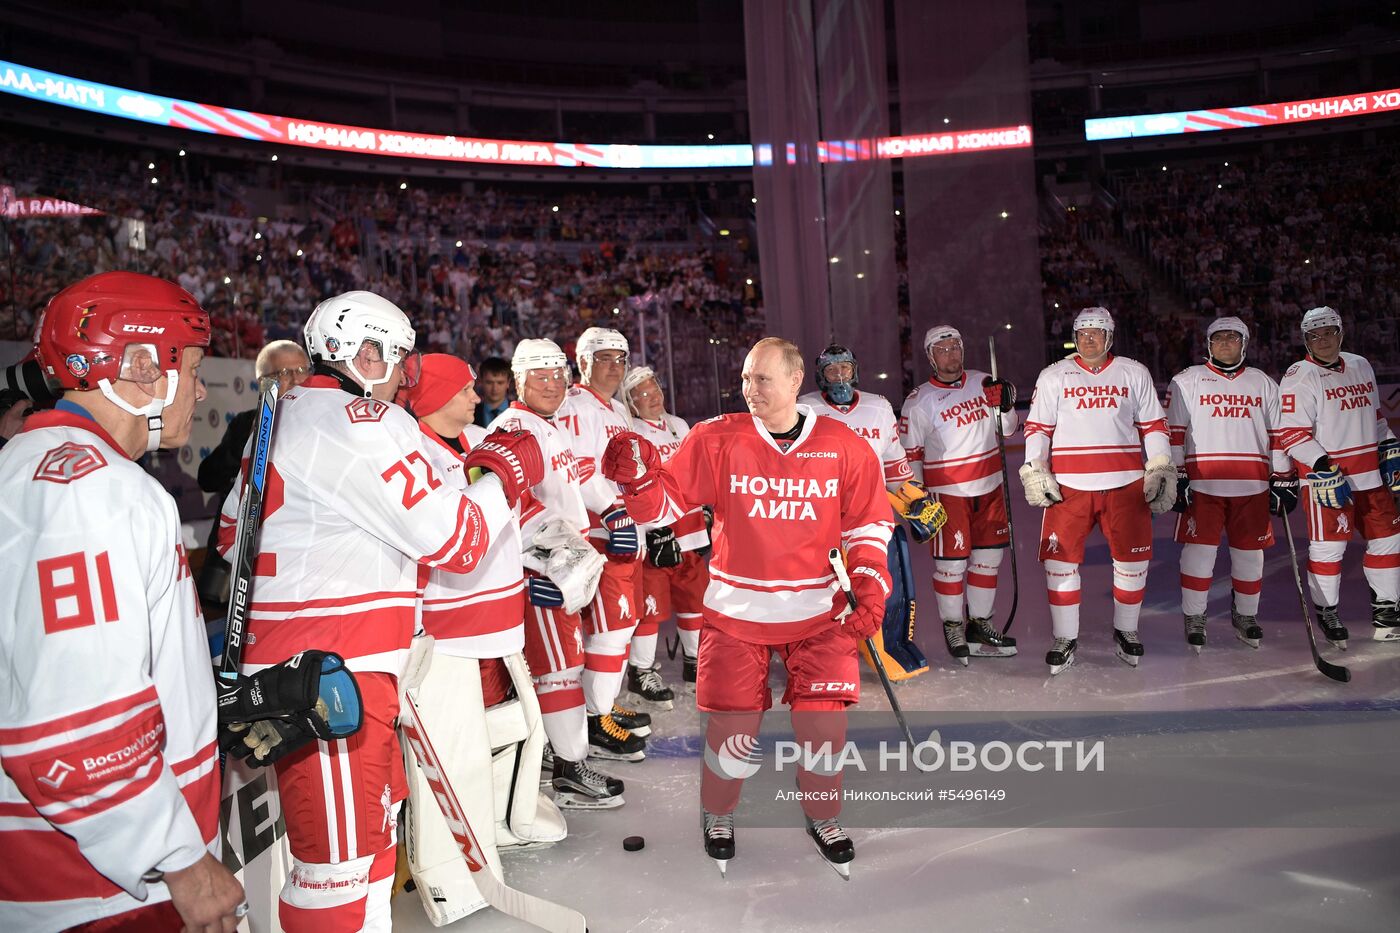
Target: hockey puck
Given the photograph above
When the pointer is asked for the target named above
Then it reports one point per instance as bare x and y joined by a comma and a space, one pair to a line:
634, 843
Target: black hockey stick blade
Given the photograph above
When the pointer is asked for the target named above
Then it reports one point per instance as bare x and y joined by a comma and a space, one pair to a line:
245, 547
1335, 671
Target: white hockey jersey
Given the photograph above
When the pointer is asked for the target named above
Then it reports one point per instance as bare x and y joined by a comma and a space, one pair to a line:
777, 515
1094, 428
666, 436
558, 495
590, 422
1334, 412
871, 418
352, 505
946, 430
477, 614
107, 712
1225, 429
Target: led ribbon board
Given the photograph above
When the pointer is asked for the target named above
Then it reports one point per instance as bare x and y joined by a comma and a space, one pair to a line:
127, 104
1252, 116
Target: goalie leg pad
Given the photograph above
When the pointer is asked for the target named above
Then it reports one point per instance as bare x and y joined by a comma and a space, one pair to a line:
902, 658
525, 818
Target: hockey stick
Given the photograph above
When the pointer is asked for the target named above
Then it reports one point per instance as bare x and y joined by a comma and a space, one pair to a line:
1006, 497
245, 546
842, 578
1328, 669
536, 911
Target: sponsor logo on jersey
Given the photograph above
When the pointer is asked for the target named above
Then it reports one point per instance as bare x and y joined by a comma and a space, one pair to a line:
58, 772
68, 462
77, 365
363, 410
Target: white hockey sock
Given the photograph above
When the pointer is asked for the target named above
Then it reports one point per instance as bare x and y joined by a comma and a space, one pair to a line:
1062, 586
1129, 586
1247, 579
1325, 571
604, 659
1382, 566
948, 588
1197, 566
690, 637
982, 582
644, 650
561, 709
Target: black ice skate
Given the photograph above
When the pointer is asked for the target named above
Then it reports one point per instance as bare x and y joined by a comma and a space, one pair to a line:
987, 642
639, 724
957, 641
689, 665
1246, 627
579, 787
1127, 646
1332, 626
1196, 631
648, 690
833, 843
607, 739
1061, 654
547, 763
718, 829
1385, 619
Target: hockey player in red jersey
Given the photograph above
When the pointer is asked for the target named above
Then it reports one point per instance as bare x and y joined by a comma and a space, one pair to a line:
948, 427
870, 416
1224, 422
786, 487
1093, 420
353, 506
1334, 429
562, 577
674, 575
106, 658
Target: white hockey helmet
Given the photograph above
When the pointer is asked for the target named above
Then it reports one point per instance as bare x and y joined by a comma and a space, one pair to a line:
1094, 317
1233, 324
537, 353
634, 378
940, 332
594, 340
1318, 318
339, 326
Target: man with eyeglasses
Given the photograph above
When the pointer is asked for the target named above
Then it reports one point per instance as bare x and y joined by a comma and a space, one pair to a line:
1223, 417
1333, 427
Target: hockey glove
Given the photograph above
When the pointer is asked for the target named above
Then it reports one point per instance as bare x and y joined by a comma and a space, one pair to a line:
1283, 493
623, 539
1159, 485
513, 456
274, 712
663, 550
924, 514
541, 591
866, 618
1183, 492
1000, 393
709, 525
1390, 464
1329, 485
629, 459
1041, 489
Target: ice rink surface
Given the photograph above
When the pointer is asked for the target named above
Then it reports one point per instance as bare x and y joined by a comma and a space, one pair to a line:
1019, 878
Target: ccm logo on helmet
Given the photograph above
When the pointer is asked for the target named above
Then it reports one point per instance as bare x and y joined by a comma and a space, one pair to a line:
142, 329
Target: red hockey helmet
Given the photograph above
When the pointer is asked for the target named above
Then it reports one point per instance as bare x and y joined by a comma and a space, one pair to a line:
85, 329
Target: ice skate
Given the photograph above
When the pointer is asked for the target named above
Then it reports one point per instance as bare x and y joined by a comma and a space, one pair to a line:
833, 844
957, 641
689, 665
1385, 619
637, 723
1127, 646
546, 764
1246, 628
1332, 626
608, 739
986, 642
1196, 631
579, 787
718, 829
648, 690
1061, 654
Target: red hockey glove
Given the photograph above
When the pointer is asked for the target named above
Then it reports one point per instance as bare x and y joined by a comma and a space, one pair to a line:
515, 458
999, 393
629, 458
866, 618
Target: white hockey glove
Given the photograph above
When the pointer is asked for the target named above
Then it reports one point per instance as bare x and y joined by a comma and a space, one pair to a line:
566, 558
1041, 489
415, 669
1159, 484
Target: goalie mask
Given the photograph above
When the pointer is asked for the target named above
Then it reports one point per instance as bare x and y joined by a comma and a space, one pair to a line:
839, 391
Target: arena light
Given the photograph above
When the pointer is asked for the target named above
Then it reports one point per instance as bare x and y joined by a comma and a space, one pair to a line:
1248, 117
66, 91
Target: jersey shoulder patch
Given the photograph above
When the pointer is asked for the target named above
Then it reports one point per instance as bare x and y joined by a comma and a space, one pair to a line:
69, 461
1292, 369
362, 410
